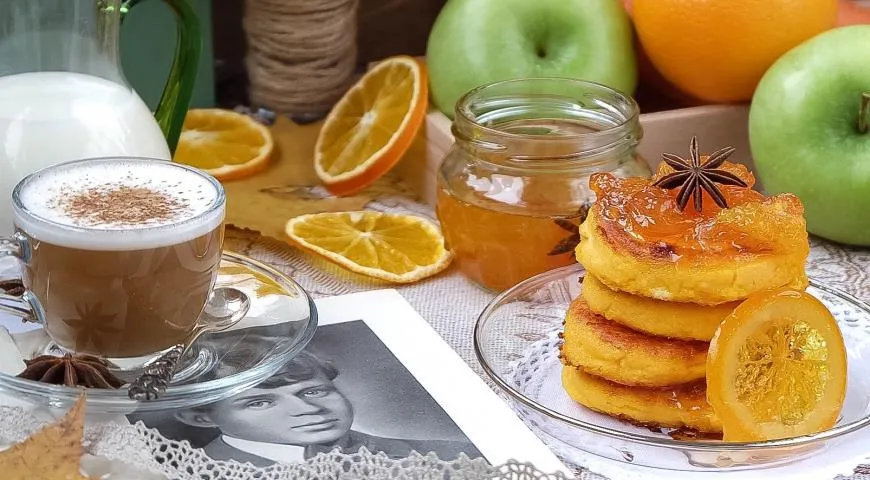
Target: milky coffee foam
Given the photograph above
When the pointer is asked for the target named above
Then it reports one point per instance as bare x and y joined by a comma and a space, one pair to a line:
46, 214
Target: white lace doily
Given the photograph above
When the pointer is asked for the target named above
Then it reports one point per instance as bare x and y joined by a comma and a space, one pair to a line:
134, 452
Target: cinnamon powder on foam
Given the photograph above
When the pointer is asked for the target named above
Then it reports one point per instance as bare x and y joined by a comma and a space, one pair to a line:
120, 205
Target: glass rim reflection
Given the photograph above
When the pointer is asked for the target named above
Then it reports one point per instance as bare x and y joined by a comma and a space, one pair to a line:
488, 118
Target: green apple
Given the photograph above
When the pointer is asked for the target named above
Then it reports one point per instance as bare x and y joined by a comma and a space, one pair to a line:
474, 42
808, 131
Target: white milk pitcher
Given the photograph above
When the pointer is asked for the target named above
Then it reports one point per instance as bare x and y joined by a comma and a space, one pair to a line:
64, 97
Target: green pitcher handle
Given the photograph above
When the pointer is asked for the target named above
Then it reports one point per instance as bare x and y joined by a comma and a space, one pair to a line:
175, 99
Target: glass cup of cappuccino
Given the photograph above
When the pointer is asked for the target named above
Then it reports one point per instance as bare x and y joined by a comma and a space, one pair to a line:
119, 255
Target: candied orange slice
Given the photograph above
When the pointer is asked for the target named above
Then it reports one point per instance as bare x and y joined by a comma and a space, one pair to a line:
777, 368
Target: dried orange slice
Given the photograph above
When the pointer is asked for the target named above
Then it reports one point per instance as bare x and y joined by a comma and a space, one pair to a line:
777, 368
393, 247
372, 126
226, 144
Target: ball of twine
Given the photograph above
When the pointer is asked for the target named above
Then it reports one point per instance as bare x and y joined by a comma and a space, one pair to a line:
301, 53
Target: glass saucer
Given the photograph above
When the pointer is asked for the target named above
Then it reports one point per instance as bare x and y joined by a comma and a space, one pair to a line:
279, 324
516, 340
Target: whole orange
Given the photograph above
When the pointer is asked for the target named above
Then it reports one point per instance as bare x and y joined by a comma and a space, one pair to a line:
718, 50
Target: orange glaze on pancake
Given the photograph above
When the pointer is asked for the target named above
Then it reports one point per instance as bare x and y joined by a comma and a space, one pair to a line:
646, 222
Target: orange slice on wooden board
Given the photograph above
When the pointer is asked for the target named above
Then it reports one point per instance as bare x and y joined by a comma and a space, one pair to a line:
393, 247
776, 368
226, 144
372, 126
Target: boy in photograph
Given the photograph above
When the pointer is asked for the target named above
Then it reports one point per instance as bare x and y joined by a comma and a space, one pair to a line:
295, 414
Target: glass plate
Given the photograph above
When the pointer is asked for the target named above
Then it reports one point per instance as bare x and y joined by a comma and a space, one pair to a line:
516, 341
280, 323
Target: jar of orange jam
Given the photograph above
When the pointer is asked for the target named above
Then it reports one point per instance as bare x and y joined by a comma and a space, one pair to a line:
515, 185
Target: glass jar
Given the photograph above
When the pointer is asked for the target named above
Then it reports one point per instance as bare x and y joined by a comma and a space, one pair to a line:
515, 185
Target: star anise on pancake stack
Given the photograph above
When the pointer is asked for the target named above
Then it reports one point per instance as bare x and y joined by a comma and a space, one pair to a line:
12, 287
73, 371
693, 177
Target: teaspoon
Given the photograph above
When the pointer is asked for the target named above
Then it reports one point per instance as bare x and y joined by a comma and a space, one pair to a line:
225, 308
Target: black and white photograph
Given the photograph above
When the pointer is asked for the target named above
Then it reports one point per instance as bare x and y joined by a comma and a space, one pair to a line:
346, 390
375, 375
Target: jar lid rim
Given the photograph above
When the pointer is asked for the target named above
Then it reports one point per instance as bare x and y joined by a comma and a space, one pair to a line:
630, 120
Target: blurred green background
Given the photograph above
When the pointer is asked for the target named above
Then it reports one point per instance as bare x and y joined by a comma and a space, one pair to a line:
148, 43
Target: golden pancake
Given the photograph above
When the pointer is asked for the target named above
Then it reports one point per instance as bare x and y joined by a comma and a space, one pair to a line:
685, 321
665, 407
622, 355
654, 268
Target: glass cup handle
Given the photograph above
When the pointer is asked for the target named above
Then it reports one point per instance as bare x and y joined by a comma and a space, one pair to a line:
26, 306
173, 104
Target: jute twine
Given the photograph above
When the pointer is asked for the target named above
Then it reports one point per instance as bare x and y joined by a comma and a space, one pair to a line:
301, 53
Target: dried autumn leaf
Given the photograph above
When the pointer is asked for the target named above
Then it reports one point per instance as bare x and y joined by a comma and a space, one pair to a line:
53, 453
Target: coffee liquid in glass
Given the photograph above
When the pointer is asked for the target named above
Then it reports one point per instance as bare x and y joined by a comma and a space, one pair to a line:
124, 254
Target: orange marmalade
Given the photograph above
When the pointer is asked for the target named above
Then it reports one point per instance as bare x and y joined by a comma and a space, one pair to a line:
633, 211
498, 249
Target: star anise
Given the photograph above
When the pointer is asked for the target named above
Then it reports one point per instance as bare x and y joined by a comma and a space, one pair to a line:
569, 243
92, 326
694, 177
72, 371
12, 287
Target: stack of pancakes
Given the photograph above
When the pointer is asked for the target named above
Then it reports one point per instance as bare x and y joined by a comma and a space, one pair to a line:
635, 341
